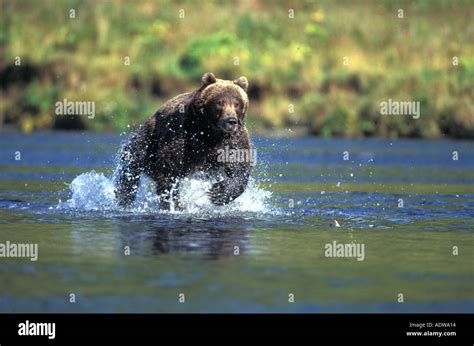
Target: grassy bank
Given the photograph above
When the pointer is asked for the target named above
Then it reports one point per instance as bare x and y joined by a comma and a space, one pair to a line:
324, 72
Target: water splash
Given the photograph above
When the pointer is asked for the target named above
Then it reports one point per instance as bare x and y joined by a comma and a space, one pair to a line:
94, 191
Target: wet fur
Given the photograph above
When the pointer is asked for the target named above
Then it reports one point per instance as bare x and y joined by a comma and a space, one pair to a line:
173, 145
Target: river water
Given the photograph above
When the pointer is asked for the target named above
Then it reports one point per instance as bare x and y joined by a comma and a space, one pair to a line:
406, 205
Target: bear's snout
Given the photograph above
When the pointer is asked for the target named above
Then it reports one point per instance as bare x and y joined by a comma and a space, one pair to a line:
229, 124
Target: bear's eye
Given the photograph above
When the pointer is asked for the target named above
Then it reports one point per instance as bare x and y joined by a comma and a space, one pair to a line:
220, 103
236, 105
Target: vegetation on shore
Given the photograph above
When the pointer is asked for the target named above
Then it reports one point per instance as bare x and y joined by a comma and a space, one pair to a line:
321, 68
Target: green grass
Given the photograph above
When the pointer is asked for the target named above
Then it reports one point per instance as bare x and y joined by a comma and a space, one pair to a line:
295, 65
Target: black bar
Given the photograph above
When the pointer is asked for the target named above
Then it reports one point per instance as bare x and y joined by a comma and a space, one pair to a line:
292, 329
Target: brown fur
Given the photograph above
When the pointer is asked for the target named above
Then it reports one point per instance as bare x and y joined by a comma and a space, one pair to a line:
184, 136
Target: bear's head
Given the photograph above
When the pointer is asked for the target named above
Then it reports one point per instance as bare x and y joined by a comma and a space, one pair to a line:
223, 103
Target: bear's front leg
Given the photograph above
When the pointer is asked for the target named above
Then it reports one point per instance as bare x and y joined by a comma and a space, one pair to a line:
168, 191
132, 164
225, 191
128, 179
128, 175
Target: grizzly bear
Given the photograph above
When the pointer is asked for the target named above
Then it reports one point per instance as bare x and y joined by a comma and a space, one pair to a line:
184, 137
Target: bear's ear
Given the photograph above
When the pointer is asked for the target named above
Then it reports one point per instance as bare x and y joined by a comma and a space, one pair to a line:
207, 79
242, 82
